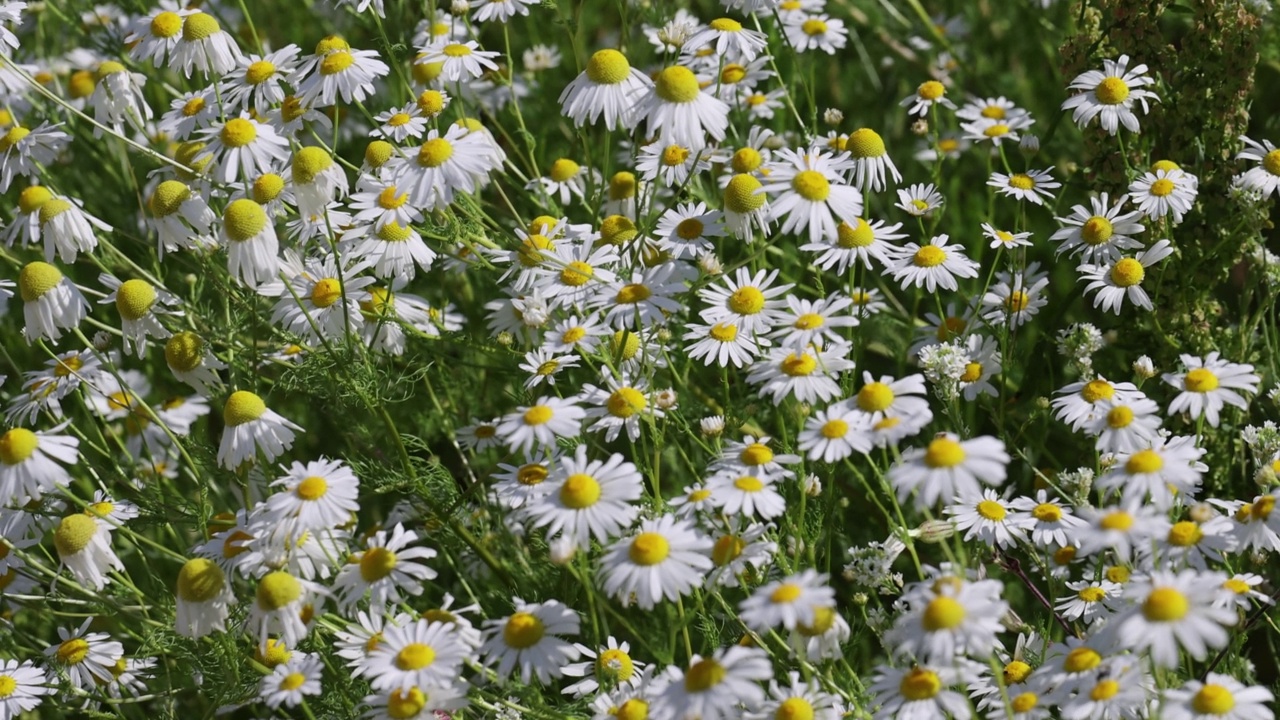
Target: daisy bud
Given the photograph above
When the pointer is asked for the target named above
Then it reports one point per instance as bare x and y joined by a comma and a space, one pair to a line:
832, 116
1265, 477
665, 399
712, 426
102, 341
1144, 368
505, 339
920, 127
459, 7
710, 264
561, 551
1029, 146
1201, 513
932, 532
812, 486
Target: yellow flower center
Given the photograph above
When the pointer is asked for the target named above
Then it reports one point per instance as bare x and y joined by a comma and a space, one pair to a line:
1096, 390
1096, 230
435, 152
17, 445
943, 453
1092, 594
336, 62
73, 534
746, 160
756, 454
242, 407
625, 402
1081, 659
1022, 181
1017, 301
563, 170
1200, 380
608, 67
795, 708
68, 366
785, 593
811, 185
1111, 91
73, 651
244, 220
1024, 703
415, 656
617, 229
1118, 520
875, 397
931, 90
277, 590
704, 675
943, 613
1047, 512
732, 74
649, 548
632, 294
799, 365
238, 132
134, 299
625, 344
31, 199
749, 483
633, 709
865, 143
403, 705
199, 26
674, 155
929, 256
1118, 574
326, 292
1162, 187
854, 236
308, 163
1104, 690
1237, 586
538, 415
1143, 462
997, 130
1127, 272
1271, 162
579, 491
813, 27
1165, 604
200, 580
531, 474
167, 198
1213, 700
740, 194
166, 25
1063, 556
1185, 534
523, 630
991, 510
726, 550
746, 300
833, 429
393, 232
614, 663
53, 208
677, 84
13, 137
919, 684
1119, 417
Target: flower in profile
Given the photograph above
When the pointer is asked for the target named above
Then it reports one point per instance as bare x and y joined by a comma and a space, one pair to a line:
29, 463
1110, 95
203, 596
608, 87
926, 96
51, 303
678, 112
252, 427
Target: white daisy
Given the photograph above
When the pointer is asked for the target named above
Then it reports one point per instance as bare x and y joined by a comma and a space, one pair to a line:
1210, 383
949, 468
1122, 279
531, 639
1110, 95
588, 499
665, 559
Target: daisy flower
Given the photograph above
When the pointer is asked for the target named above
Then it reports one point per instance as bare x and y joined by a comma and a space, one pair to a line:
745, 208
815, 32
29, 463
205, 47
392, 251
1216, 697
400, 124
24, 150
1117, 689
1032, 186
66, 229
621, 404
987, 518
458, 160
139, 302
869, 160
1174, 611
919, 200
191, 361
255, 81
809, 375
414, 704
1210, 383
611, 663
291, 680
1263, 179
25, 687
243, 148
541, 423
996, 131
1006, 239
530, 638
388, 569
422, 653
921, 691
588, 499
1125, 427
315, 496
807, 191
1014, 300
87, 659
836, 433
712, 687
1167, 468
154, 36
787, 603
336, 70
1110, 95
926, 96
320, 301
280, 602
499, 10
543, 366
678, 112
749, 301
1077, 404
461, 60
722, 344
742, 492
1092, 600
203, 598
608, 87
855, 240
117, 98
180, 217
689, 229
1164, 192
730, 40
949, 617
1121, 529
1122, 279
887, 396
380, 201
931, 266
665, 559
814, 322
1099, 234
252, 427
83, 543
670, 164
949, 468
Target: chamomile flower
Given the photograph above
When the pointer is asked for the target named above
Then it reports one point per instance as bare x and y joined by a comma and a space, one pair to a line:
393, 250
205, 47
689, 229
117, 98
919, 200
713, 687
336, 70
66, 229
836, 433
1110, 95
380, 201
815, 32
722, 344
1100, 234
203, 597
855, 240
1006, 239
1014, 300
530, 638
611, 664
949, 617
608, 87
415, 704
180, 216
457, 161
814, 322
996, 131
749, 301
400, 124
422, 653
745, 208
920, 691
252, 427
25, 687
949, 468
543, 366
986, 518
243, 148
1125, 426
621, 404
787, 603
665, 559
87, 659
321, 301
23, 151
931, 266
278, 608
191, 361
541, 423
1216, 697
31, 463
809, 375
156, 35
1264, 178
139, 303
1034, 186
499, 10
292, 680
1091, 601
642, 300
889, 397
315, 496
255, 81
252, 245
83, 542
740, 492
1210, 383
730, 39
1171, 611
1123, 529
678, 112
808, 192
588, 499
1164, 192
929, 94
1118, 280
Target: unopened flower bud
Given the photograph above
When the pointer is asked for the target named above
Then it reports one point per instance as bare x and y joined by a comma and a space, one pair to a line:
561, 551
920, 127
812, 485
1029, 146
1265, 477
1201, 513
505, 339
710, 264
932, 532
665, 399
832, 117
101, 341
1144, 368
712, 426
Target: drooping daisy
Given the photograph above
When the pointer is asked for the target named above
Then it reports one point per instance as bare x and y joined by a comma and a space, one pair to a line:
415, 704
1171, 612
1122, 279
665, 559
808, 192
139, 302
949, 468
712, 687
23, 151
931, 266
745, 209
203, 595
677, 111
608, 87
191, 361
154, 36
278, 608
1033, 186
1110, 95
205, 47
118, 98
588, 499
51, 302
252, 427
1210, 383
1100, 234
541, 423
83, 543
29, 463
531, 639
180, 216
337, 70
